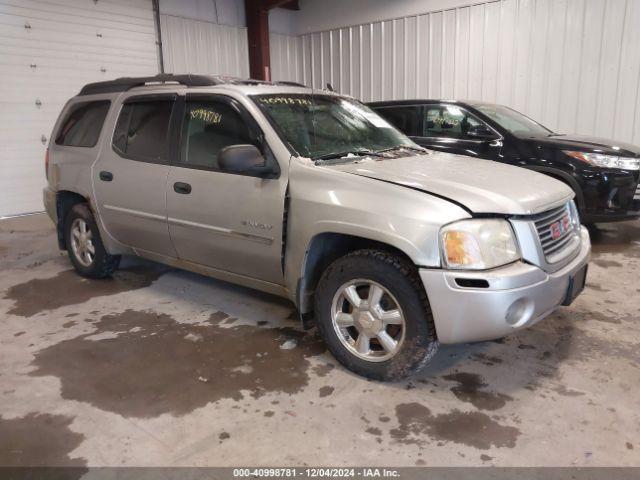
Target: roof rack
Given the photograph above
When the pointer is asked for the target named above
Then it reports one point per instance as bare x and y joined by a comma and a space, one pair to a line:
123, 84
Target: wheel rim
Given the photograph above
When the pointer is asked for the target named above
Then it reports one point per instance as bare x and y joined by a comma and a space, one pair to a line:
82, 242
368, 320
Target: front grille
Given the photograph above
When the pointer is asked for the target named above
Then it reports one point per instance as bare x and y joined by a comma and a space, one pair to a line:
556, 231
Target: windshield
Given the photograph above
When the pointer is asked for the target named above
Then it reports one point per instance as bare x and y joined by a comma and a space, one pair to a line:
515, 122
324, 126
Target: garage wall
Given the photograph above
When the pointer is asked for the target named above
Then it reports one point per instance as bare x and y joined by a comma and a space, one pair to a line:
48, 50
287, 57
196, 46
571, 64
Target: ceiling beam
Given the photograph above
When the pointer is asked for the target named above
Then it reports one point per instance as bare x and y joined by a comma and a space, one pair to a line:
288, 4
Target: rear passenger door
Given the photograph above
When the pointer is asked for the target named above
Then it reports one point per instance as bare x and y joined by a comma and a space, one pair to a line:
228, 221
130, 175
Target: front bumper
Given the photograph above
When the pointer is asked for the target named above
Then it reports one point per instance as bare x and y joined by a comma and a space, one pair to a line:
610, 196
518, 296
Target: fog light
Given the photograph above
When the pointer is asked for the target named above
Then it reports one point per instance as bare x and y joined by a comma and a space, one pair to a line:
519, 312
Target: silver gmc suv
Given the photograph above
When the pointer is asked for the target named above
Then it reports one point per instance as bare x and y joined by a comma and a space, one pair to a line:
388, 248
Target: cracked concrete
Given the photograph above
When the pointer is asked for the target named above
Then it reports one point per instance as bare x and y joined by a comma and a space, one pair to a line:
160, 367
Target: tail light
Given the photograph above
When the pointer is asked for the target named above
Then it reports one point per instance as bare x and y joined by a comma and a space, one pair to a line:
46, 163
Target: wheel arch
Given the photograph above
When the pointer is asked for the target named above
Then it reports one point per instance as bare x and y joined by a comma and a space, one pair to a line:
323, 249
65, 200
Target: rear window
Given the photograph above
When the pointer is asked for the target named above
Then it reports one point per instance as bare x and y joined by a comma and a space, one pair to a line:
142, 129
82, 126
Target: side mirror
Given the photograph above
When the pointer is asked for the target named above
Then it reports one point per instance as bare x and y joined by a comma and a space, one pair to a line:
482, 132
244, 159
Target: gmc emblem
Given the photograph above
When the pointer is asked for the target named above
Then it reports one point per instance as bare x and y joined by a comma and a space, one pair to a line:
560, 227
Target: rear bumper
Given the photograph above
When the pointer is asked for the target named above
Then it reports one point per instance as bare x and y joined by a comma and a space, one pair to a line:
49, 200
519, 295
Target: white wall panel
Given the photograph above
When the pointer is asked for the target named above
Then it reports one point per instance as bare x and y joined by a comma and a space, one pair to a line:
48, 51
194, 46
286, 57
573, 65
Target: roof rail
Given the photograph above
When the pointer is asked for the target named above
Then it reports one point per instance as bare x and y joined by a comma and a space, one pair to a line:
123, 84
288, 83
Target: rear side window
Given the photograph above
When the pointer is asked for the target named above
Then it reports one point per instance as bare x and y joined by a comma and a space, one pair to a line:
82, 126
142, 129
407, 119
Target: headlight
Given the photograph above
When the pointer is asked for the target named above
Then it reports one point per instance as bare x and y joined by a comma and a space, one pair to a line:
478, 244
575, 216
607, 161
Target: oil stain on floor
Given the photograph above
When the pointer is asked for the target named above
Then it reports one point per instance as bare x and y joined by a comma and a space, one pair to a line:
474, 429
144, 364
38, 440
68, 288
471, 388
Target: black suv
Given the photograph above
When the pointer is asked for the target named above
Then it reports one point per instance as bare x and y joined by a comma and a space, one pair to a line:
604, 174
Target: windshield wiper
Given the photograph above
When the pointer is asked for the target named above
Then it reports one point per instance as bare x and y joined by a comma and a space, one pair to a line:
346, 153
398, 147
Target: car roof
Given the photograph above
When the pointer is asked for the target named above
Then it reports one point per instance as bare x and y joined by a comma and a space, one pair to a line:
420, 101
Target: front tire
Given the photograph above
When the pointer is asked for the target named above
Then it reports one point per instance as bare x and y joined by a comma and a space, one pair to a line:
374, 315
84, 245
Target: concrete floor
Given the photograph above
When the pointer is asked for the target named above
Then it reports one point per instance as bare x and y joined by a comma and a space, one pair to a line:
163, 367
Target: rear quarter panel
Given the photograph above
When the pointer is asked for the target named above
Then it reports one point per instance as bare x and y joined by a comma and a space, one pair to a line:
71, 168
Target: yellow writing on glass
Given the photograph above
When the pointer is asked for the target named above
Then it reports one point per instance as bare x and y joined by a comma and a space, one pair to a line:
207, 116
285, 101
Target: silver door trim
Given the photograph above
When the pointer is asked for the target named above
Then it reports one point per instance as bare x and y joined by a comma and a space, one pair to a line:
222, 231
135, 213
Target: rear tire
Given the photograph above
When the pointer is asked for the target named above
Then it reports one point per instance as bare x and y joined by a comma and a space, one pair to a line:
390, 334
84, 245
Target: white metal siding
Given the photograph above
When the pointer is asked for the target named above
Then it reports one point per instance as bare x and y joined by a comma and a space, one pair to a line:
286, 56
48, 50
573, 65
194, 46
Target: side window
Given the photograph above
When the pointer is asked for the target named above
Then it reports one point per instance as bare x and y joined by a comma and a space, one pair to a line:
449, 121
208, 127
406, 119
83, 124
142, 130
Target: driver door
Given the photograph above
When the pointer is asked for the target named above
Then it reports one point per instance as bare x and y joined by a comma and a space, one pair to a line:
227, 221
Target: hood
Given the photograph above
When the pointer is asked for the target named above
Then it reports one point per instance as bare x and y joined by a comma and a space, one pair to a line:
585, 143
481, 186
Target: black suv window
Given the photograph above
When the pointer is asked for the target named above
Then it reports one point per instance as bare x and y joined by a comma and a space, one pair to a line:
208, 127
449, 121
141, 132
406, 118
82, 126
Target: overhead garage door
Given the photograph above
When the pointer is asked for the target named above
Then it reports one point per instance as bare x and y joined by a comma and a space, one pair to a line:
48, 50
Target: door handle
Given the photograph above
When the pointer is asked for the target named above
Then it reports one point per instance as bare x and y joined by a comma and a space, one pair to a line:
180, 187
106, 176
